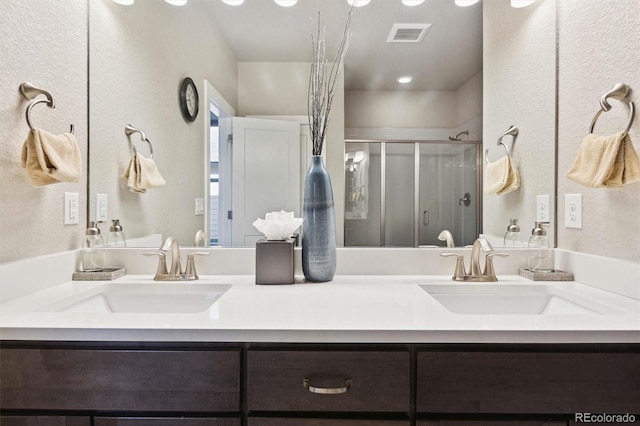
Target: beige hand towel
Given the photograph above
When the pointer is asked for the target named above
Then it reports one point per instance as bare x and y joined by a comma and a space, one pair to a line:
142, 174
605, 162
501, 177
51, 158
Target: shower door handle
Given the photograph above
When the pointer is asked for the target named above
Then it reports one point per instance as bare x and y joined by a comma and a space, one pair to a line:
425, 218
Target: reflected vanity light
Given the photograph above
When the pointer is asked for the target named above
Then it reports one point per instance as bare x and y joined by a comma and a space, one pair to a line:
522, 3
404, 79
124, 2
412, 2
177, 2
233, 2
358, 3
286, 3
465, 3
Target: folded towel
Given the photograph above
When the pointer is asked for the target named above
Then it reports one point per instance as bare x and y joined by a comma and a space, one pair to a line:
605, 162
51, 158
501, 177
142, 174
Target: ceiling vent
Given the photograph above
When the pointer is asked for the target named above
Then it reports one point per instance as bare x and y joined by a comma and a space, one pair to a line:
407, 33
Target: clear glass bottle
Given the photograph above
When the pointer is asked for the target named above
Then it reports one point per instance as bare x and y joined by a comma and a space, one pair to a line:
116, 236
539, 255
512, 236
93, 255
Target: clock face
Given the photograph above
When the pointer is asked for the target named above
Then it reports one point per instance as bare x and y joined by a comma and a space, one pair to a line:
189, 100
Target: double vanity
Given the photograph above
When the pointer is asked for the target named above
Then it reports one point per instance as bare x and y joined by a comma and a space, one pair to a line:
388, 350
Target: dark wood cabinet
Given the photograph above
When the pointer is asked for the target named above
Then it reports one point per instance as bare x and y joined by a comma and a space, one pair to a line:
528, 382
127, 380
489, 423
44, 421
164, 421
323, 422
369, 381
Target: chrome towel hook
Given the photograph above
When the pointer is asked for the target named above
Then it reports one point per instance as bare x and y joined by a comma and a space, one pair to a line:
619, 91
511, 131
29, 91
129, 130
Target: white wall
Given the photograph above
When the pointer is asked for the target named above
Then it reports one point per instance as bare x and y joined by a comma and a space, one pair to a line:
137, 63
280, 88
43, 42
519, 89
599, 46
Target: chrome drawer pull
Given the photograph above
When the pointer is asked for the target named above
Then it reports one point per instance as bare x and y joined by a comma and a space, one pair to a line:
327, 391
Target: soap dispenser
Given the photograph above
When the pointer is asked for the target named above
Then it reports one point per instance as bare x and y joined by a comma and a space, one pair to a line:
539, 254
116, 235
512, 236
93, 255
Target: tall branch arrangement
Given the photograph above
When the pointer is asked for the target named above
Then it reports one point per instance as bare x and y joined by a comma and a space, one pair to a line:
322, 81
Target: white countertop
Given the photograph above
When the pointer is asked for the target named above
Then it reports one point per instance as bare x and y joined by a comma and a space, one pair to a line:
349, 309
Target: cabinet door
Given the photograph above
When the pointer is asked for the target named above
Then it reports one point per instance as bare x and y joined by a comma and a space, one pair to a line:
489, 423
128, 380
360, 381
44, 421
521, 382
272, 421
166, 421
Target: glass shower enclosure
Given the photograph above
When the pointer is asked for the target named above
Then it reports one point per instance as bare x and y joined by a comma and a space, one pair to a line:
405, 193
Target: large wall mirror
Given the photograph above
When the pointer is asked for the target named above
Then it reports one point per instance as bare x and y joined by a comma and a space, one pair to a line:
476, 71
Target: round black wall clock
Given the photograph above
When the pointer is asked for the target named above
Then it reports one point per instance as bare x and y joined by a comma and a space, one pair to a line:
189, 100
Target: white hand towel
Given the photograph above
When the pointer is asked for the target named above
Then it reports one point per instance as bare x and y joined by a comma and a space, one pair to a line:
501, 177
605, 162
142, 174
51, 158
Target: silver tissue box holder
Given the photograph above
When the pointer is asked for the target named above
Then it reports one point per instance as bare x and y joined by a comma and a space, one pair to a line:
274, 261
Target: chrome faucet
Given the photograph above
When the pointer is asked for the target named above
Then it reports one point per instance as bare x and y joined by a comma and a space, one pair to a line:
475, 272
175, 273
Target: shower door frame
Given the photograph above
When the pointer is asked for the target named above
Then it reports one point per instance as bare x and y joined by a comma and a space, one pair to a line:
416, 183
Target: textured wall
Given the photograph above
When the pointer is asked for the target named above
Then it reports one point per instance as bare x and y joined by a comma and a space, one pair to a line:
519, 89
599, 46
139, 56
43, 42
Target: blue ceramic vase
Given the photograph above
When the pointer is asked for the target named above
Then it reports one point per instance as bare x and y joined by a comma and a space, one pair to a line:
319, 226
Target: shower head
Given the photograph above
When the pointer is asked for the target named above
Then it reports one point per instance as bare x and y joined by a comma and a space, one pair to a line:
457, 137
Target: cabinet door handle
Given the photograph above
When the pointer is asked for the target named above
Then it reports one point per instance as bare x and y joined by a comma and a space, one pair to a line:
327, 391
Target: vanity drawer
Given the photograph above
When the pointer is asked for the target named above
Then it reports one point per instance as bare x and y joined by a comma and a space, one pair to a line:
157, 421
274, 421
79, 379
44, 421
525, 382
379, 380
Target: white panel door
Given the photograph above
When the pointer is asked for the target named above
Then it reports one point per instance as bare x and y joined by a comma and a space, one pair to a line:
265, 173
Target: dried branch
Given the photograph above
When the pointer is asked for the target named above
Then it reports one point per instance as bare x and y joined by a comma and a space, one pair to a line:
322, 81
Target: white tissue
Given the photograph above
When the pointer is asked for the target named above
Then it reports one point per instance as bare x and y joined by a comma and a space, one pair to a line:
278, 225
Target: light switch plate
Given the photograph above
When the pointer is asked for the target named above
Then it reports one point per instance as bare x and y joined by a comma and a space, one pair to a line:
71, 206
542, 208
199, 206
102, 207
573, 211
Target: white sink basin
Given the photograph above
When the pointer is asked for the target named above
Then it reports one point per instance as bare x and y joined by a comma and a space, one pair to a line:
142, 298
512, 299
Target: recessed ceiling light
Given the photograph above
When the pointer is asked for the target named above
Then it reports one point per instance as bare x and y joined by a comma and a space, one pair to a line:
286, 3
412, 2
233, 2
465, 3
405, 79
177, 2
522, 3
358, 3
124, 2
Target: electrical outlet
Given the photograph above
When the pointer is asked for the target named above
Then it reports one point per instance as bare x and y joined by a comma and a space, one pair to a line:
71, 205
573, 211
102, 207
542, 208
199, 206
